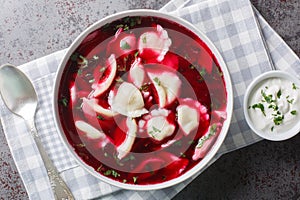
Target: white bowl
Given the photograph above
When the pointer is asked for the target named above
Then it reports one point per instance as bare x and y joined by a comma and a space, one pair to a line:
285, 132
229, 109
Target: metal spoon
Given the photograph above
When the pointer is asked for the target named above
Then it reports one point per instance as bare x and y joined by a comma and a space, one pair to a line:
20, 97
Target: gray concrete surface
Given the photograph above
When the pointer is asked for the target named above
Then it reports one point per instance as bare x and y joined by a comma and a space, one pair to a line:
266, 170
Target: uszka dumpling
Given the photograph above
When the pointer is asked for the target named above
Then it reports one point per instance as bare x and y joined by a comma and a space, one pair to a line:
127, 101
189, 112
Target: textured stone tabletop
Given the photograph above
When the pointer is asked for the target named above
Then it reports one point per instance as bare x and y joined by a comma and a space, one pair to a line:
265, 170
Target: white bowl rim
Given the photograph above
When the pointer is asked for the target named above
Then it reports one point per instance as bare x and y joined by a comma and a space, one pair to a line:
229, 110
264, 76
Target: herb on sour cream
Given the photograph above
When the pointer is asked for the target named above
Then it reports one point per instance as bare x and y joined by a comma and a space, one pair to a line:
277, 101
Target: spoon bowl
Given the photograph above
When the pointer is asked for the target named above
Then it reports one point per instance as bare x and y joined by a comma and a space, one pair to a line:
21, 99
17, 92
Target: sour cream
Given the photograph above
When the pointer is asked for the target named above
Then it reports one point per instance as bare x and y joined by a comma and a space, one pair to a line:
274, 105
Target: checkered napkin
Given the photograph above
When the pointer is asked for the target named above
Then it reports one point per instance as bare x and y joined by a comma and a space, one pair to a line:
231, 25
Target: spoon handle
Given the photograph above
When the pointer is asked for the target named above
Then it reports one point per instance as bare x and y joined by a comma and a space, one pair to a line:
59, 187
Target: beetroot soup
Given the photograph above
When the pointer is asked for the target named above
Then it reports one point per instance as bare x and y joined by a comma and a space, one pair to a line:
142, 100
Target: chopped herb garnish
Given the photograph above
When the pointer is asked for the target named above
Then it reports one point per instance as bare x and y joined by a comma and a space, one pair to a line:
177, 143
220, 73
293, 112
99, 168
129, 22
132, 23
138, 20
107, 172
119, 26
80, 145
182, 155
124, 180
92, 80
126, 19
84, 61
110, 172
279, 94
291, 101
267, 98
144, 87
278, 113
278, 120
156, 80
131, 157
95, 57
102, 69
259, 106
121, 68
74, 57
106, 27
88, 74
124, 45
119, 80
192, 66
136, 54
272, 128
212, 132
213, 129
156, 129
144, 39
191, 142
294, 86
186, 56
79, 72
114, 173
126, 28
202, 72
64, 101
273, 106
134, 179
200, 79
100, 117
79, 107
152, 134
117, 160
80, 104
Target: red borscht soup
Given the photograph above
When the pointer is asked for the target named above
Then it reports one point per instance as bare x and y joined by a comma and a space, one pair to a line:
142, 100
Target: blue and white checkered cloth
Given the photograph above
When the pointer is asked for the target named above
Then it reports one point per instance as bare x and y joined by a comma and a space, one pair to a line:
237, 31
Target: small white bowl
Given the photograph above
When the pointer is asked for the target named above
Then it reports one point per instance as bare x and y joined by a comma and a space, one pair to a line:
273, 136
